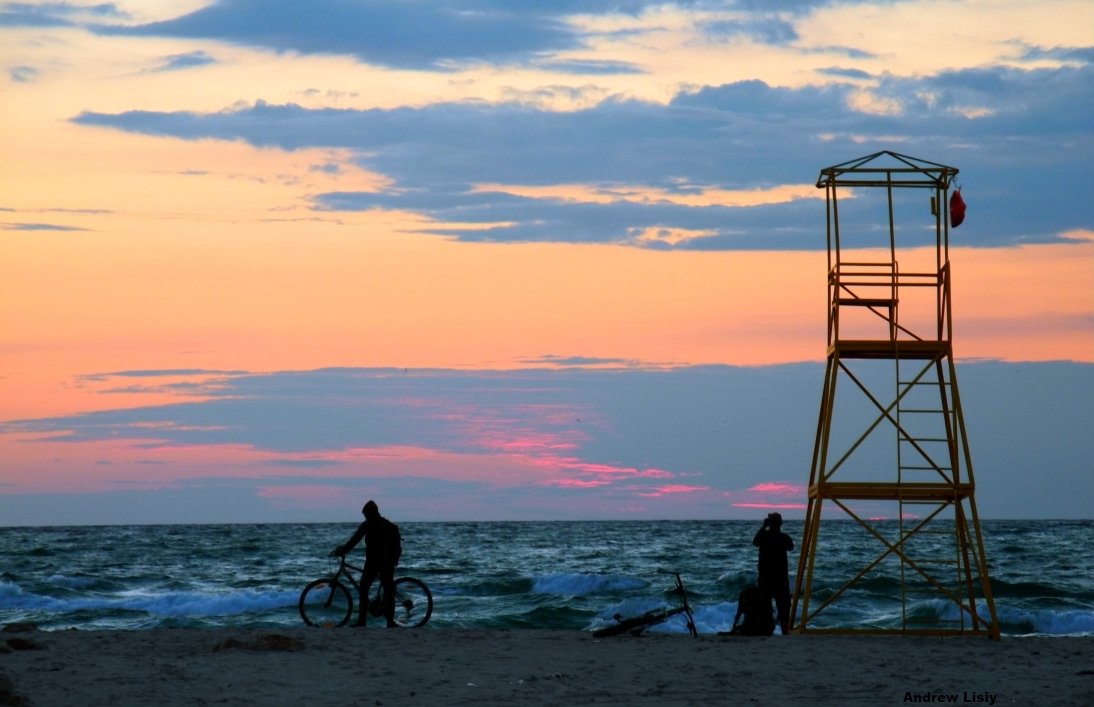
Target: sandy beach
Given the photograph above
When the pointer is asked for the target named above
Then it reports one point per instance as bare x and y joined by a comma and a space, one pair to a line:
437, 667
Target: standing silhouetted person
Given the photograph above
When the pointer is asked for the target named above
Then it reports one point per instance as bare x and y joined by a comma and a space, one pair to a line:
774, 580
383, 546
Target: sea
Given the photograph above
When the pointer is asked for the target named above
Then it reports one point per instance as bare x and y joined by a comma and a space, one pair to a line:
571, 575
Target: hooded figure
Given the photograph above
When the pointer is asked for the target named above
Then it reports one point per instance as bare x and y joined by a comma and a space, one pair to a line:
383, 547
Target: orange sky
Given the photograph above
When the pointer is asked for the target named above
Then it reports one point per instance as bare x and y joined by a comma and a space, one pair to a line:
127, 249
274, 298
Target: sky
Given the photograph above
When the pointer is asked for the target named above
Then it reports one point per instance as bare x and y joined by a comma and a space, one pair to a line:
262, 260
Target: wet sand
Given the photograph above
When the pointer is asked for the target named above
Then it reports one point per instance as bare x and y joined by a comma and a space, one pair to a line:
375, 666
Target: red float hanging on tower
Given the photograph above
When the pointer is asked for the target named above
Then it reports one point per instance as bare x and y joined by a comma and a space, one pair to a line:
957, 208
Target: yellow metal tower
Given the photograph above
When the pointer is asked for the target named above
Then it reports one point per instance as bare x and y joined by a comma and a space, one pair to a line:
890, 456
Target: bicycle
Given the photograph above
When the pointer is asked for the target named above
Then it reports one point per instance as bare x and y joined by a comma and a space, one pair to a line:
327, 602
638, 624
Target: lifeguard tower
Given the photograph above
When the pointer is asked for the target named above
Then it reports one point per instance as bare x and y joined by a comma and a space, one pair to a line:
891, 458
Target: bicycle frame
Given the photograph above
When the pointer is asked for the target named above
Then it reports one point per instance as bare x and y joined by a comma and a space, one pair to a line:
329, 600
346, 570
638, 624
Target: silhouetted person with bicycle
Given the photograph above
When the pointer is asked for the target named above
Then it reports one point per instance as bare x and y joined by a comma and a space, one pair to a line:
774, 579
383, 547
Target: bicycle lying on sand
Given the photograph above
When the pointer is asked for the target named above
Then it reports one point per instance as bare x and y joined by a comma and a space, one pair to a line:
638, 624
328, 601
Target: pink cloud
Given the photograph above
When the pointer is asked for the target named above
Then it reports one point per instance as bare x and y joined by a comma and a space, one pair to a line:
672, 489
577, 483
773, 495
778, 488
576, 464
527, 443
757, 504
510, 447
519, 428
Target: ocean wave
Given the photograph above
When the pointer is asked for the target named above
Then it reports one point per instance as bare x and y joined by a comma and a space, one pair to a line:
1012, 620
566, 584
566, 575
163, 604
736, 579
1002, 589
10, 593
1052, 622
204, 604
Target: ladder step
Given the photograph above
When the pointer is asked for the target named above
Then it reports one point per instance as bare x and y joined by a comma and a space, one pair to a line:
925, 590
937, 622
865, 302
928, 590
947, 533
921, 589
917, 472
935, 540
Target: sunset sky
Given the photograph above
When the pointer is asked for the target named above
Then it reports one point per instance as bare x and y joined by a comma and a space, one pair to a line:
261, 260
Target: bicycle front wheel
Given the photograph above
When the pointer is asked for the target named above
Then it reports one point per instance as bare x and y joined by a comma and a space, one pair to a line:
326, 603
413, 602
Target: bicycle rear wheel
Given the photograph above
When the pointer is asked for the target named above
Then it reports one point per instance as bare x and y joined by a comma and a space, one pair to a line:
413, 602
326, 602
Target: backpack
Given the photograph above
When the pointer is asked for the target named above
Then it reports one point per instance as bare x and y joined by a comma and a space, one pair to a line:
755, 608
384, 542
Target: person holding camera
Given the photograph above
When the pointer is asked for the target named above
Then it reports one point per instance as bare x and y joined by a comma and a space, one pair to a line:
774, 579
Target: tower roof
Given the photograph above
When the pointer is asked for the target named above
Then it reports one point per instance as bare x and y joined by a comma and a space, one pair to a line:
887, 168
